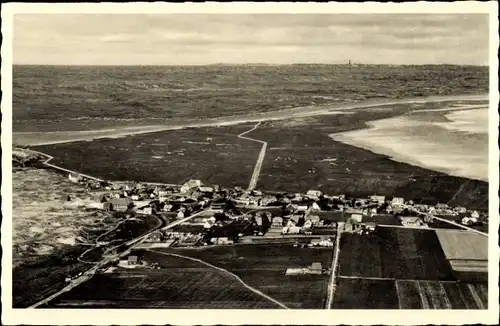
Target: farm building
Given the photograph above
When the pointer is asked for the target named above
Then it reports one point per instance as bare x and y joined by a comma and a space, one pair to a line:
119, 204
191, 185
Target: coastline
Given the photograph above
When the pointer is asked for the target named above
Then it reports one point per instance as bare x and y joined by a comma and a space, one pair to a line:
425, 152
58, 137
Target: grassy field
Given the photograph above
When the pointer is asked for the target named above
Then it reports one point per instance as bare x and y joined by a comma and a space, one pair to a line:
404, 294
299, 157
76, 98
263, 267
365, 294
213, 155
394, 253
463, 245
442, 295
180, 283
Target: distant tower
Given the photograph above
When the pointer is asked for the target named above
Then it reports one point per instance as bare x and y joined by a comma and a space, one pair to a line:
349, 62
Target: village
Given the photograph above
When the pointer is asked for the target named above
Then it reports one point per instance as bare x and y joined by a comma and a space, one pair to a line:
224, 217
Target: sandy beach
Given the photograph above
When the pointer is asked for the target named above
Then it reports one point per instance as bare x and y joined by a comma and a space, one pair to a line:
458, 147
46, 138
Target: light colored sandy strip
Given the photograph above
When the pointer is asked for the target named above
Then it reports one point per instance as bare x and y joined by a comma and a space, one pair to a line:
475, 296
226, 272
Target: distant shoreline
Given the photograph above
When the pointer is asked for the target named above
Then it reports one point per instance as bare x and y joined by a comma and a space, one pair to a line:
58, 137
360, 138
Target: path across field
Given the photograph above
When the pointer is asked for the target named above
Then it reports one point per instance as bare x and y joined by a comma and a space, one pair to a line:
87, 275
260, 159
226, 272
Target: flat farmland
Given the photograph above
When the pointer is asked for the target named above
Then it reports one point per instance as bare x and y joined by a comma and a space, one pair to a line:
263, 267
463, 245
180, 283
213, 155
442, 295
301, 155
365, 294
394, 253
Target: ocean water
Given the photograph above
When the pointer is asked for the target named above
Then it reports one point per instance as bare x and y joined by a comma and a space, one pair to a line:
458, 147
68, 98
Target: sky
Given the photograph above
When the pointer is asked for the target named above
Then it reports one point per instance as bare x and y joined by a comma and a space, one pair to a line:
191, 39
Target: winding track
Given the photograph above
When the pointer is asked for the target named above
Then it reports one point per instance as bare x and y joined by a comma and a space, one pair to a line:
226, 272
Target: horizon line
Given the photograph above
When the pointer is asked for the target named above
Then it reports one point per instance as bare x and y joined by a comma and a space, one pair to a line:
251, 64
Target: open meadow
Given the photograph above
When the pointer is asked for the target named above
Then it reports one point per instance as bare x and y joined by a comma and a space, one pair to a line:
180, 283
300, 156
394, 253
360, 293
263, 267
213, 155
398, 268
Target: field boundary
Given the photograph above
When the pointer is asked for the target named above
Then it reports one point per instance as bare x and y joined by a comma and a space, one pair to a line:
226, 272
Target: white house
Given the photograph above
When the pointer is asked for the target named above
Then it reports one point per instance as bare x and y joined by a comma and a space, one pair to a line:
191, 185
314, 194
398, 201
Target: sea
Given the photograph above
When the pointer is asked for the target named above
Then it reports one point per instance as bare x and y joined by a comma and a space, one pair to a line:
57, 100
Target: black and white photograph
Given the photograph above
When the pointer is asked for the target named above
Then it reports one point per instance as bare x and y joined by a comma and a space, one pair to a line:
226, 161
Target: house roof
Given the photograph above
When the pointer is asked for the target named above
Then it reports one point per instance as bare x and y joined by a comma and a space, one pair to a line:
132, 258
121, 201
316, 265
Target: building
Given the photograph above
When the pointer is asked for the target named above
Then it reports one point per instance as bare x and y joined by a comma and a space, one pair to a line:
377, 199
412, 221
314, 194
315, 268
357, 217
75, 178
277, 221
398, 201
313, 218
132, 260
120, 204
315, 207
191, 185
206, 190
474, 214
146, 210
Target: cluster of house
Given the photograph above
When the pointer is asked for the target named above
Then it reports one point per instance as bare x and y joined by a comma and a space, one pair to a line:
299, 210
